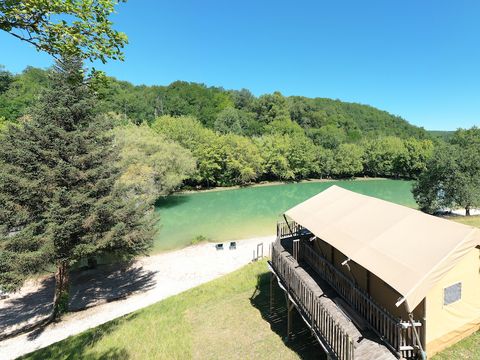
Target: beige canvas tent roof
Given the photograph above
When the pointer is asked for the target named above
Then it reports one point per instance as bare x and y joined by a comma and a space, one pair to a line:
406, 248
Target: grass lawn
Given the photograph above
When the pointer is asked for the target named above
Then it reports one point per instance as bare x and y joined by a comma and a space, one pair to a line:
467, 220
227, 318
468, 348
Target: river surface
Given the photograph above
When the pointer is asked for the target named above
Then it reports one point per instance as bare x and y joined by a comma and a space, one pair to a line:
252, 211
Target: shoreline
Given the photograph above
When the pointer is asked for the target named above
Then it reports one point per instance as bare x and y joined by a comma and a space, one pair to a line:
275, 183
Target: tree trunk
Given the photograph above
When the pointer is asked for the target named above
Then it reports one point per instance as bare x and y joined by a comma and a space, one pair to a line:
467, 210
62, 287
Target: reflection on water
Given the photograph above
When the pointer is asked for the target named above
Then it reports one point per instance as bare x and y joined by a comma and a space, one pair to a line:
253, 211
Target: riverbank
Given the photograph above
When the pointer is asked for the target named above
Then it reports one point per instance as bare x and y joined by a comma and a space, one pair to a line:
106, 295
252, 211
274, 183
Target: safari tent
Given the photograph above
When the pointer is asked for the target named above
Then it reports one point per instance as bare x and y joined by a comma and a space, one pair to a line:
410, 265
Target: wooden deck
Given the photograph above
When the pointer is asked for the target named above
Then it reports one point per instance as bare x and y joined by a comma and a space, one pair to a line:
332, 320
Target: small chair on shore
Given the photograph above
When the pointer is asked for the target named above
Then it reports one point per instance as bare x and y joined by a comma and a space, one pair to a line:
233, 245
219, 246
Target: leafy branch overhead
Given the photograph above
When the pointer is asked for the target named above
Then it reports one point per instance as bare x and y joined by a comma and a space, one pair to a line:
79, 28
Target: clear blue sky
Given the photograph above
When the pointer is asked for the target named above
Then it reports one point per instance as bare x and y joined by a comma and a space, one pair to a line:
416, 59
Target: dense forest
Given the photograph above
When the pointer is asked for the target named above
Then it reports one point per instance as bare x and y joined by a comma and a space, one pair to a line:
235, 137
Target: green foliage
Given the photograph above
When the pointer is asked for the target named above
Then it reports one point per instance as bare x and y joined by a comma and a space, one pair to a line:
57, 186
229, 121
452, 175
295, 137
382, 156
415, 157
466, 138
325, 162
441, 135
61, 307
302, 157
270, 107
6, 79
198, 240
185, 130
347, 160
328, 122
328, 136
274, 149
287, 157
202, 142
151, 165
242, 99
395, 157
77, 28
242, 162
3, 124
22, 92
284, 126
183, 98
358, 121
222, 159
284, 152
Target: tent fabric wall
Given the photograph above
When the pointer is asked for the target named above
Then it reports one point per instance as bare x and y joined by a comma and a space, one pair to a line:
447, 324
382, 293
409, 250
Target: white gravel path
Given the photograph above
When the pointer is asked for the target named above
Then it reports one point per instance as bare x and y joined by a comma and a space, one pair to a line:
461, 212
175, 272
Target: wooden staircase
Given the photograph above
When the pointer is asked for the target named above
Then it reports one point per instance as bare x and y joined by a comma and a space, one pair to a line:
340, 330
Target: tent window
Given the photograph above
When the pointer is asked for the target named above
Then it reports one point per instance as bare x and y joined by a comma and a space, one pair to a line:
452, 293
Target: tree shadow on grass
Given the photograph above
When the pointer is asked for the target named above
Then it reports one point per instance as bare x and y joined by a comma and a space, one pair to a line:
82, 346
302, 341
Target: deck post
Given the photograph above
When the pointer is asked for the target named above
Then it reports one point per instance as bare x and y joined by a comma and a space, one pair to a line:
271, 293
288, 225
423, 330
289, 319
368, 283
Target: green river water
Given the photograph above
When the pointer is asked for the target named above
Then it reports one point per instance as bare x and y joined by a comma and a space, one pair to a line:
252, 211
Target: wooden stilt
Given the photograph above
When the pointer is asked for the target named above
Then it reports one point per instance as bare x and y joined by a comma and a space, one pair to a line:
289, 319
271, 293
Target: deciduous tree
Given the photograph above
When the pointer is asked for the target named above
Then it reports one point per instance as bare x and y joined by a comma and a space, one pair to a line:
77, 28
151, 164
229, 121
452, 176
348, 160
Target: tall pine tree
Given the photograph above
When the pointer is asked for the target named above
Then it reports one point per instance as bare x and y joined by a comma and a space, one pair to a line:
58, 194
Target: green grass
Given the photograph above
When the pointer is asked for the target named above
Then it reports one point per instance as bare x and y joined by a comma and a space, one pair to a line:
468, 348
467, 220
227, 318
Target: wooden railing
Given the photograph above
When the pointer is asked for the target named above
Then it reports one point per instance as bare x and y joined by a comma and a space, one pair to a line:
395, 332
313, 311
285, 230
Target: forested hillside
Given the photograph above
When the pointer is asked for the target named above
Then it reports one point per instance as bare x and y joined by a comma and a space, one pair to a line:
237, 138
441, 134
348, 121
